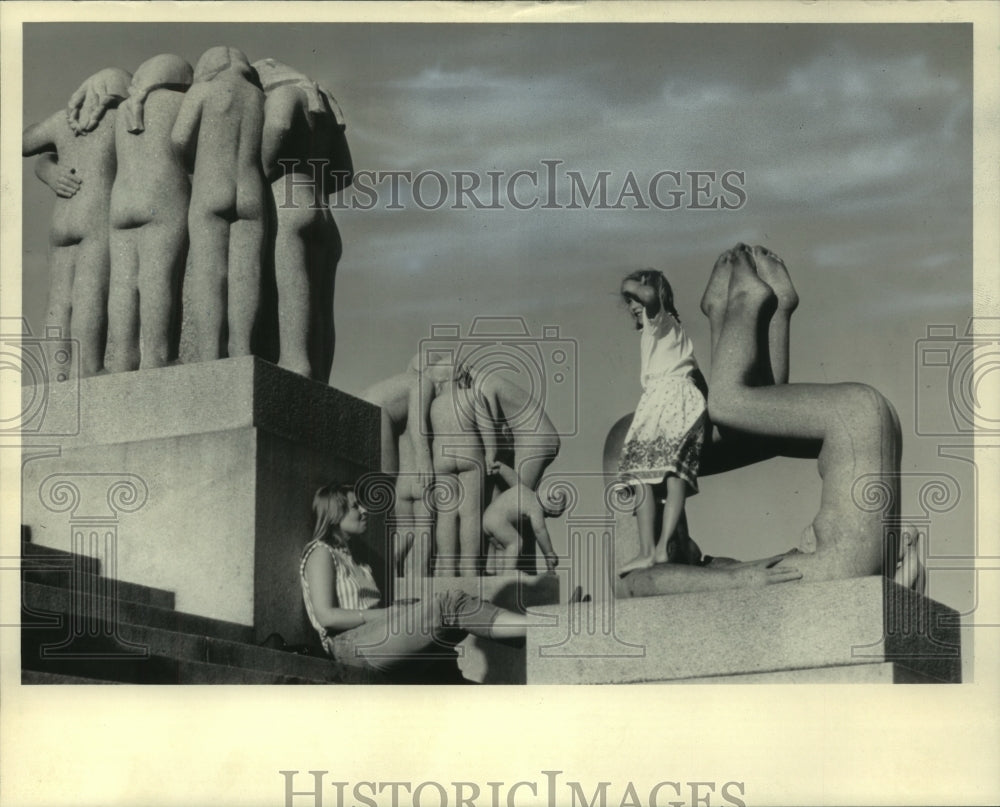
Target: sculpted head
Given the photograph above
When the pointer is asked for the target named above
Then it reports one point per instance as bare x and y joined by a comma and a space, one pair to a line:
219, 59
166, 68
163, 71
273, 73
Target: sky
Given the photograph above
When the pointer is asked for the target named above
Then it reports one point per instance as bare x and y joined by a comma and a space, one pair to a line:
854, 142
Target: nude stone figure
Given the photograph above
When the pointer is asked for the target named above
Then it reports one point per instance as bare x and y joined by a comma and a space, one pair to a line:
306, 160
851, 429
412, 538
79, 165
148, 220
529, 450
454, 439
218, 132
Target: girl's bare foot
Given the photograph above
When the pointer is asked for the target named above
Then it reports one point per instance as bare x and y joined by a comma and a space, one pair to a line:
638, 562
771, 269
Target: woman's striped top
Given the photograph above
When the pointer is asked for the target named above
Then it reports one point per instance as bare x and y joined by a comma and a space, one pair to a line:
354, 586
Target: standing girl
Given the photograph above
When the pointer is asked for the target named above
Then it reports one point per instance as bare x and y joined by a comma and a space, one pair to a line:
663, 444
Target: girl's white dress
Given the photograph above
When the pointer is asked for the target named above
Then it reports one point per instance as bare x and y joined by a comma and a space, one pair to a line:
668, 428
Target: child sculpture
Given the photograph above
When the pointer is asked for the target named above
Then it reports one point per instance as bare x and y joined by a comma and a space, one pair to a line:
148, 220
218, 131
78, 162
306, 160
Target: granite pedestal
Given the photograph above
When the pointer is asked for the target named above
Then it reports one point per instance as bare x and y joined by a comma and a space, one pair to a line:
861, 629
197, 479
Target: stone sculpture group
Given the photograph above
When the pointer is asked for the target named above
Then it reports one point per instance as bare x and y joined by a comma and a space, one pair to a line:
192, 217
463, 469
192, 222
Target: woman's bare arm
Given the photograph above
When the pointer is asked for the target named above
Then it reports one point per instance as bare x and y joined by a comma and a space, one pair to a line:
321, 577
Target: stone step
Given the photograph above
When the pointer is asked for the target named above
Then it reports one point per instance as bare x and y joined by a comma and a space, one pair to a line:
792, 626
143, 654
885, 672
127, 592
37, 556
160, 670
43, 599
31, 677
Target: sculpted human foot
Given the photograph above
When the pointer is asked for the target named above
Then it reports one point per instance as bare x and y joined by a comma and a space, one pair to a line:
746, 288
713, 301
772, 270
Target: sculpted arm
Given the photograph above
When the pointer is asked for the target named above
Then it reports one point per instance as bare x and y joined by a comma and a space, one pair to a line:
537, 518
506, 473
40, 137
487, 429
281, 108
418, 426
339, 164
184, 135
61, 179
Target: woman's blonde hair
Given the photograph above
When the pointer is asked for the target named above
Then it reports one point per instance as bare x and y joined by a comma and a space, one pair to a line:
330, 505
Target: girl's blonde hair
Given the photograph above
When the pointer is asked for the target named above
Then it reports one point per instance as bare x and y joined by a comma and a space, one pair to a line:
330, 505
658, 280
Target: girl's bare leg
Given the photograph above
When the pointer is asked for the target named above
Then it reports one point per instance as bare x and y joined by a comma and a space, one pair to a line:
645, 515
673, 509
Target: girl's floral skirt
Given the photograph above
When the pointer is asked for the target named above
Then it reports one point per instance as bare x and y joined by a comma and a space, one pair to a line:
666, 434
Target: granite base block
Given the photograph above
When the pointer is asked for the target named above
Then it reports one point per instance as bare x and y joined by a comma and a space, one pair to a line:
197, 479
886, 672
778, 629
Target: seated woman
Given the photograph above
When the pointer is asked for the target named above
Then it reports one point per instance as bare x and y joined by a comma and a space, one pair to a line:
342, 598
